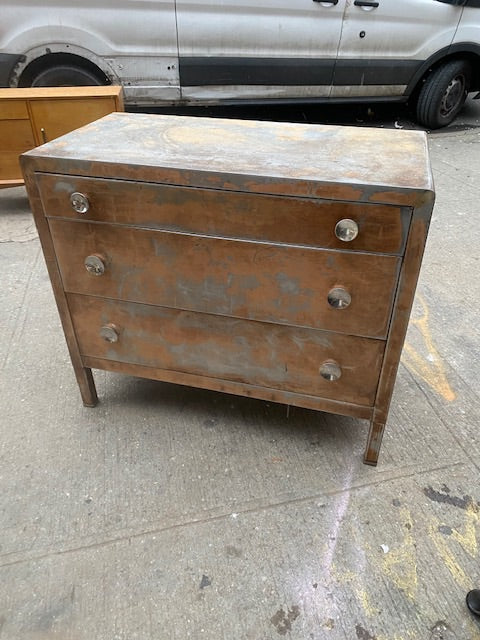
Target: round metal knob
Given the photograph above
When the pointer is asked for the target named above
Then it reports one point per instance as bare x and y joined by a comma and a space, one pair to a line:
330, 370
79, 202
346, 230
109, 333
339, 298
95, 264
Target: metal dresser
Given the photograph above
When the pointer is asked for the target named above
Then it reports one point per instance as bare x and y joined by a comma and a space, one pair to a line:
276, 261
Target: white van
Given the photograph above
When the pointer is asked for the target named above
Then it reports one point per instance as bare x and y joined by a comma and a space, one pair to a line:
198, 52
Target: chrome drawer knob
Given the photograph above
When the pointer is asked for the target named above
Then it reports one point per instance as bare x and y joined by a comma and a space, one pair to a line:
109, 333
79, 202
346, 230
330, 370
95, 264
339, 298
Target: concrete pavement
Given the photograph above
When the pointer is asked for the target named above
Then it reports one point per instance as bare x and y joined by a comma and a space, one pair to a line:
173, 513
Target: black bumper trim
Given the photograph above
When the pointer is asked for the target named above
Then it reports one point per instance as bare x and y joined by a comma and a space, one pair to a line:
211, 71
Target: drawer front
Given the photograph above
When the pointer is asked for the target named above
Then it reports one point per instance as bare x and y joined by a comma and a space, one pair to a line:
273, 283
13, 110
257, 353
16, 135
381, 228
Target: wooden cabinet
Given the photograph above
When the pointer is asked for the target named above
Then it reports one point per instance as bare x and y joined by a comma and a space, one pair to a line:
277, 261
31, 117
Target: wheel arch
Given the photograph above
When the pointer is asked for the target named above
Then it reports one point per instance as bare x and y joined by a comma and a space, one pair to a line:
53, 59
42, 57
466, 51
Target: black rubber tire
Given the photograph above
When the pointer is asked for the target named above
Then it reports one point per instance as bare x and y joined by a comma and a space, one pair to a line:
66, 75
443, 94
473, 601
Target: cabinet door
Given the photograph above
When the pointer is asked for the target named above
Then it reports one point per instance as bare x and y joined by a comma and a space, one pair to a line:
257, 48
382, 46
52, 118
15, 137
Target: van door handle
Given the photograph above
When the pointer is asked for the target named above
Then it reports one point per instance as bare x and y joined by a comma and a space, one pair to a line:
326, 1
365, 3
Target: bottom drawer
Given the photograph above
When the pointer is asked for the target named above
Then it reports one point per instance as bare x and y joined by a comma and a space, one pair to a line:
267, 355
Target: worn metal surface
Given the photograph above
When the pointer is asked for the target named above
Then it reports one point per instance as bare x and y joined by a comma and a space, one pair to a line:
131, 43
288, 220
262, 156
257, 281
256, 353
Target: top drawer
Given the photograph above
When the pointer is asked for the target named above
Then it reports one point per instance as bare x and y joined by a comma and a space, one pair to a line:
228, 214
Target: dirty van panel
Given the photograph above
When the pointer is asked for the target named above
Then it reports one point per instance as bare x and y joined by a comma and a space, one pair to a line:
257, 49
134, 43
469, 28
383, 44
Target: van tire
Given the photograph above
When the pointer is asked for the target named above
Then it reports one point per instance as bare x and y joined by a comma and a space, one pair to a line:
66, 75
443, 94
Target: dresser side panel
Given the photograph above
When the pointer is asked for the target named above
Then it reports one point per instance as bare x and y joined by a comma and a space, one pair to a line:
82, 373
404, 298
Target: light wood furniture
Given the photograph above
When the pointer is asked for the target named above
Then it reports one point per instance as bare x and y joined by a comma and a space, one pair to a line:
30, 117
277, 261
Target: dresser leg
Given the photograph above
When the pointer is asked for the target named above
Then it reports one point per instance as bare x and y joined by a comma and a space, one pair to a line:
87, 386
374, 442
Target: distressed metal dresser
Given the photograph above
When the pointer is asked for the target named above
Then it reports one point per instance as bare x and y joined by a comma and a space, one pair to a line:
277, 261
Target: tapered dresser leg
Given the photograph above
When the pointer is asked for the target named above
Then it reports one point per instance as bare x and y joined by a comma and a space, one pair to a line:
87, 386
374, 442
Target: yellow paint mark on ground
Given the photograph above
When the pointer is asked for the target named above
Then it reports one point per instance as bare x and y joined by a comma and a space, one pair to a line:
468, 539
370, 610
431, 371
473, 627
356, 584
448, 557
400, 565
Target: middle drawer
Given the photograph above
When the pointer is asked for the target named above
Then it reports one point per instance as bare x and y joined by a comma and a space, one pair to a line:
339, 291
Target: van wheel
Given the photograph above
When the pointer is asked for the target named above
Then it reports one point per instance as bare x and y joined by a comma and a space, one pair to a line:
66, 75
443, 94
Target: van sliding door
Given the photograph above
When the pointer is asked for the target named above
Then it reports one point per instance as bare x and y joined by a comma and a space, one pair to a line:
256, 49
385, 42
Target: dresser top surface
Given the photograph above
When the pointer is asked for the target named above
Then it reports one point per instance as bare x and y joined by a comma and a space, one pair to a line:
276, 152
